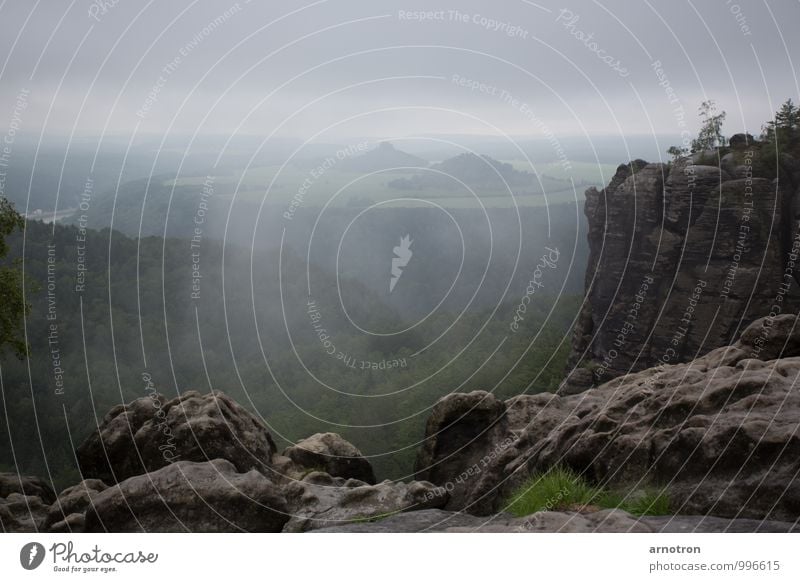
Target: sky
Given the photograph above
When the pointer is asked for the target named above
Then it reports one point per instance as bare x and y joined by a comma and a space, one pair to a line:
332, 69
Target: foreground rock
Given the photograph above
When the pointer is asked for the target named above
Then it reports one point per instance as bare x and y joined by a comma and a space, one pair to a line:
330, 453
456, 435
152, 432
320, 500
722, 433
22, 513
26, 485
681, 258
67, 514
188, 496
608, 521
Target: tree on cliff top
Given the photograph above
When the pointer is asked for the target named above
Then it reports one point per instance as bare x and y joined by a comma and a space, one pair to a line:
710, 135
13, 308
784, 130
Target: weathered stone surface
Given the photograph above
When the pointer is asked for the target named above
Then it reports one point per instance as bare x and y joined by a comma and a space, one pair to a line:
722, 433
152, 432
682, 257
188, 496
26, 485
67, 513
330, 453
320, 500
22, 513
460, 432
436, 520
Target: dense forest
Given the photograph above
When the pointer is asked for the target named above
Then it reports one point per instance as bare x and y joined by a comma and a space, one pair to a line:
109, 312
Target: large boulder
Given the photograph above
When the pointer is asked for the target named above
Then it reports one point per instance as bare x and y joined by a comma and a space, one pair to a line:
330, 453
320, 500
152, 432
462, 431
26, 485
721, 433
190, 497
466, 434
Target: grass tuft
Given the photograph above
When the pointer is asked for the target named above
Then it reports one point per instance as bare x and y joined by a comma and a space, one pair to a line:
561, 489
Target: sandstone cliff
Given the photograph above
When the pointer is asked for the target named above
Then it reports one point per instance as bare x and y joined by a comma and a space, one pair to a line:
683, 256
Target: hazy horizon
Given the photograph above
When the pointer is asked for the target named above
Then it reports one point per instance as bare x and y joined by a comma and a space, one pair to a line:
339, 70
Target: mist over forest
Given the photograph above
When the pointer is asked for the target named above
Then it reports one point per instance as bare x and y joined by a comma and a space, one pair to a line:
373, 267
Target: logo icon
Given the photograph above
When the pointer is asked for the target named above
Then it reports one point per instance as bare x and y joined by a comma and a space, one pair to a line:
31, 555
402, 256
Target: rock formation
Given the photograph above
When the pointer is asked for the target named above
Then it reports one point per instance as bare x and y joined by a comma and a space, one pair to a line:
190, 497
682, 257
721, 434
606, 521
152, 432
67, 514
223, 476
24, 502
320, 500
330, 453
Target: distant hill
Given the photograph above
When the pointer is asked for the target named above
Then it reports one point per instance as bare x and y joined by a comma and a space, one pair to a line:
473, 170
383, 157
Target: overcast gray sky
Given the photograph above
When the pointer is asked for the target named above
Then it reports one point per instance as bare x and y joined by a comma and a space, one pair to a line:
373, 68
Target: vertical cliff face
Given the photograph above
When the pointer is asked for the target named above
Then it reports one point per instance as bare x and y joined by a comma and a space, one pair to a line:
682, 257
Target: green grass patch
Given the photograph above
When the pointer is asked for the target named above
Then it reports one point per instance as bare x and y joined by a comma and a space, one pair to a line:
562, 489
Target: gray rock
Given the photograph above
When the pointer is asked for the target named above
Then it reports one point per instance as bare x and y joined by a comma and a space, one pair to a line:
330, 453
609, 521
188, 496
681, 259
22, 513
721, 433
26, 485
67, 512
741, 140
320, 500
152, 432
461, 435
